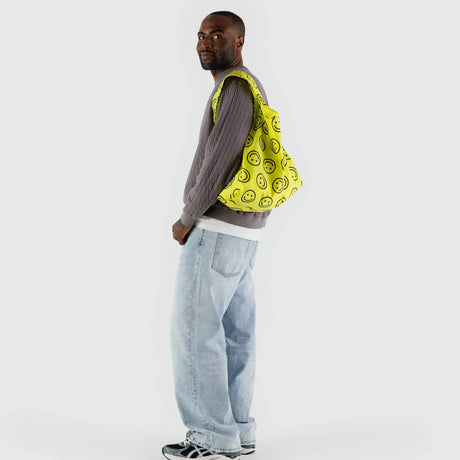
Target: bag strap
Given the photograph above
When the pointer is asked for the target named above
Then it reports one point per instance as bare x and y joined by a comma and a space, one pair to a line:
252, 84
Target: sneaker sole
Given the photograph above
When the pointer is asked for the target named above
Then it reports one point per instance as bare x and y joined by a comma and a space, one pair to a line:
247, 450
208, 457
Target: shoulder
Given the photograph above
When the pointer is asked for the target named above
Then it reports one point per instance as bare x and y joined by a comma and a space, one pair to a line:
236, 91
240, 84
235, 84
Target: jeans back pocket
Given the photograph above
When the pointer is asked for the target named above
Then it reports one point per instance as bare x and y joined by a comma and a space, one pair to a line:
230, 255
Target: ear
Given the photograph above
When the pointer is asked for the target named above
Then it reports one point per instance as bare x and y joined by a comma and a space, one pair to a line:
240, 42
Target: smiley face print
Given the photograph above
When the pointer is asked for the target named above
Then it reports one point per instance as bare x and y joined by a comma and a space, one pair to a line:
283, 162
275, 145
235, 193
215, 101
269, 165
262, 144
278, 185
280, 202
257, 123
260, 98
244, 175
248, 197
285, 183
266, 202
261, 181
276, 124
254, 158
249, 141
294, 173
265, 127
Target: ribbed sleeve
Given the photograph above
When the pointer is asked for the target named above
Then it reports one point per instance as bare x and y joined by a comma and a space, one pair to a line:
216, 165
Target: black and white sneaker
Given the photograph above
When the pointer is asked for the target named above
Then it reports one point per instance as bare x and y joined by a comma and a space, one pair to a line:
248, 449
188, 449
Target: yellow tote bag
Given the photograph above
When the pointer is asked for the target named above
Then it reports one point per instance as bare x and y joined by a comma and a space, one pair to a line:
267, 176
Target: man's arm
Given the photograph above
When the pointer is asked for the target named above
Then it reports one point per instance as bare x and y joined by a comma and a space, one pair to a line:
223, 149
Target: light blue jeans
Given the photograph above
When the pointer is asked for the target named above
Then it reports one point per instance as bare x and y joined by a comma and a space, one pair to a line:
212, 339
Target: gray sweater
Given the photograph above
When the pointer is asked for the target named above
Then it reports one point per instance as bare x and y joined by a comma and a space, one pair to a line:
219, 152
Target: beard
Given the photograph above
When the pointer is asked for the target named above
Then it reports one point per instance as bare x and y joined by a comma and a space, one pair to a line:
218, 61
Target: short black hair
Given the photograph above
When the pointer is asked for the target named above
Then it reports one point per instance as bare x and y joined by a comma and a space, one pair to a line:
237, 21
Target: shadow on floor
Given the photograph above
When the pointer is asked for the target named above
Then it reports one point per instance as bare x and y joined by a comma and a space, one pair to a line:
66, 438
392, 438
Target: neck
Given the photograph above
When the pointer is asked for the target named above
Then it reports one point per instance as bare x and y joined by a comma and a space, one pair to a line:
215, 73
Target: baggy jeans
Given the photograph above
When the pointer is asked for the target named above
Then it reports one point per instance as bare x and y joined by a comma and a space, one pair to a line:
213, 341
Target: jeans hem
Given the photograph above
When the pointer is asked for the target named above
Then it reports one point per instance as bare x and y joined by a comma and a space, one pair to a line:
212, 448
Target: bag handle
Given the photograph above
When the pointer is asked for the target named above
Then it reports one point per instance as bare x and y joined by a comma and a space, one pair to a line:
252, 84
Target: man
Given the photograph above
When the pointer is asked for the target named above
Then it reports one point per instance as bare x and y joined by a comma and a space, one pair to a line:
213, 320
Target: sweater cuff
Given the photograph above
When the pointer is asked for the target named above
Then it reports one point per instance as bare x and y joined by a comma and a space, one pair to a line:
187, 219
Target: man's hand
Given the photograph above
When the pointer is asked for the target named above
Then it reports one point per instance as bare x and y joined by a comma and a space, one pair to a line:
180, 232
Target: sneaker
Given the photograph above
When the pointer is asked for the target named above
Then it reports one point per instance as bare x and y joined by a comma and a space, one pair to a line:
188, 449
248, 449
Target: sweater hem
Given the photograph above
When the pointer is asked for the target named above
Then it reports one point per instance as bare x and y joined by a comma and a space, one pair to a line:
241, 218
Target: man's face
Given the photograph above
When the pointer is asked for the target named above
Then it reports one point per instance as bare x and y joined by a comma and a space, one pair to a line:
218, 43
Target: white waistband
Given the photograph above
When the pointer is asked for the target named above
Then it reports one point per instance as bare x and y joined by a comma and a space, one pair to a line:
219, 226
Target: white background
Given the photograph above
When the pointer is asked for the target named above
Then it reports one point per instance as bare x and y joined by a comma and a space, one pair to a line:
357, 277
